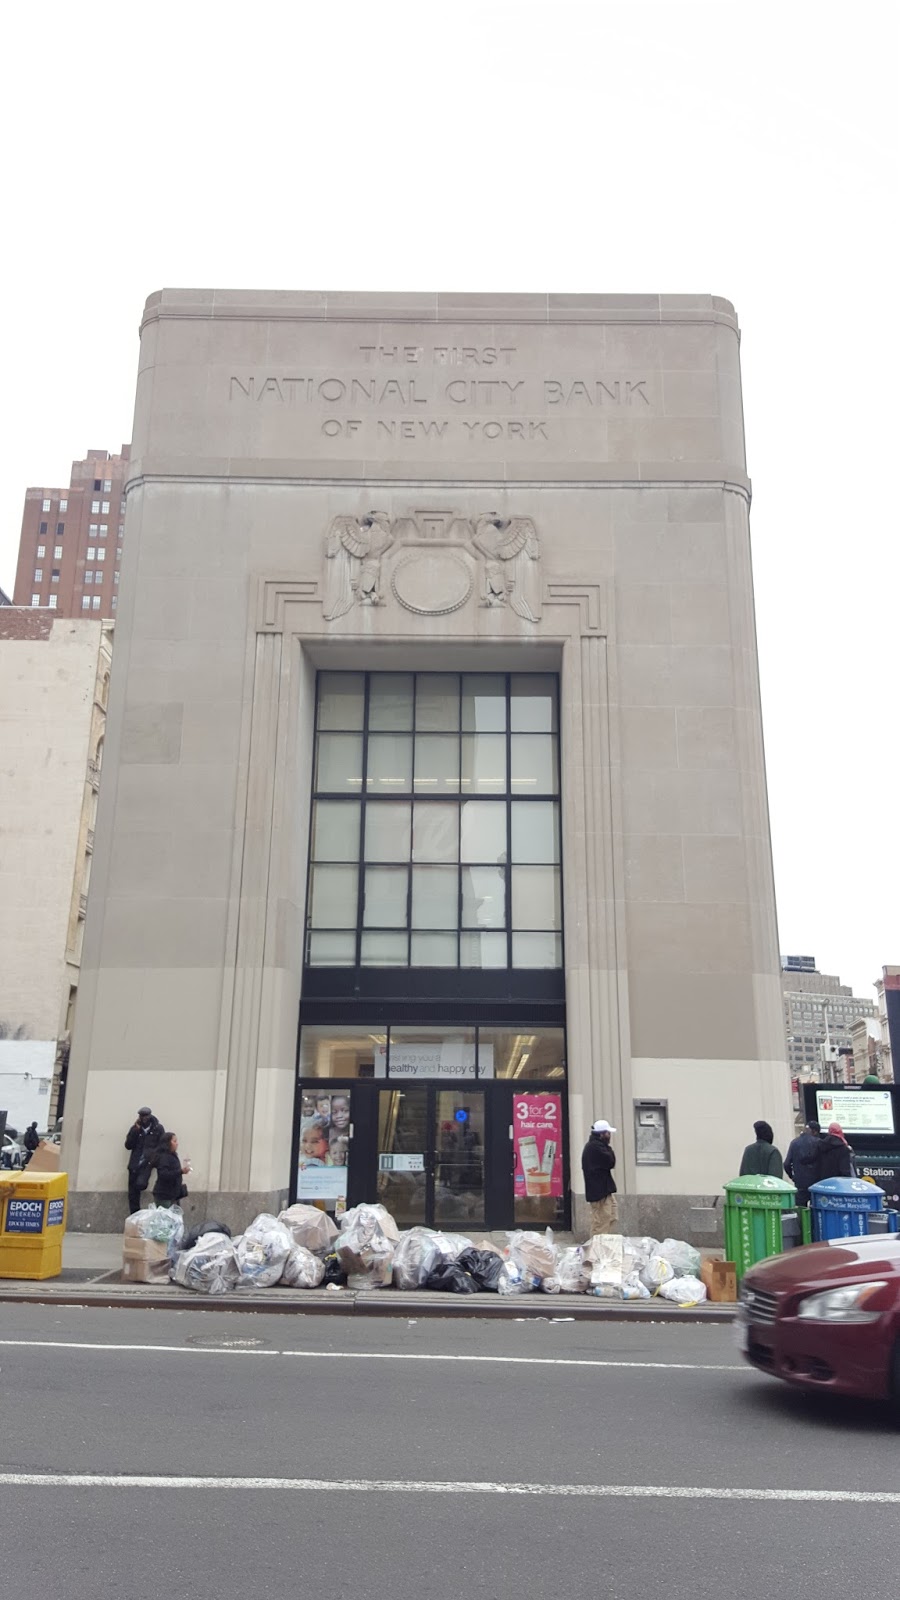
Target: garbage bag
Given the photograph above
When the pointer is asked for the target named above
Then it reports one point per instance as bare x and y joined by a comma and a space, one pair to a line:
685, 1291
550, 1285
163, 1224
682, 1258
573, 1273
302, 1270
657, 1271
364, 1250
190, 1239
365, 1215
416, 1255
211, 1267
484, 1266
633, 1289
334, 1274
309, 1226
452, 1277
638, 1251
608, 1262
516, 1278
262, 1251
536, 1252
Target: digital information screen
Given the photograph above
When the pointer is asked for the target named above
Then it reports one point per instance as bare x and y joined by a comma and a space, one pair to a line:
857, 1110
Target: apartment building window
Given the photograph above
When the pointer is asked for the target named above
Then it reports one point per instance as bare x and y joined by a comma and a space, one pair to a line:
54, 575
38, 574
52, 602
60, 529
104, 508
42, 529
89, 577
101, 554
63, 505
90, 553
115, 577
57, 552
95, 508
85, 602
92, 530
121, 529
35, 599
96, 602
41, 551
97, 483
115, 601
104, 529
107, 485
122, 506
45, 505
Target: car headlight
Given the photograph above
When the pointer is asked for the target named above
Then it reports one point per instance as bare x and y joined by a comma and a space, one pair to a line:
841, 1305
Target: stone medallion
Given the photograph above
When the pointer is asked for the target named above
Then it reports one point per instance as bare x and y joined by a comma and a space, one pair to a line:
432, 583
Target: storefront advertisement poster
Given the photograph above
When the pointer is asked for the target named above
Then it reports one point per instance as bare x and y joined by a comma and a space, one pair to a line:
537, 1137
324, 1154
434, 1058
857, 1110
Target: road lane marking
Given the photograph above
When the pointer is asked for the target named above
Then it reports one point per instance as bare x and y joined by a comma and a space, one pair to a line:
589, 1491
382, 1355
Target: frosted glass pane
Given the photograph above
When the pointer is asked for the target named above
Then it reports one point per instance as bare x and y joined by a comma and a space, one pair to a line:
384, 950
535, 831
483, 897
390, 763
435, 897
391, 700
482, 950
387, 830
433, 950
332, 949
332, 900
437, 764
535, 897
385, 897
435, 832
339, 763
437, 702
537, 950
533, 759
483, 835
484, 702
335, 832
532, 707
341, 700
484, 763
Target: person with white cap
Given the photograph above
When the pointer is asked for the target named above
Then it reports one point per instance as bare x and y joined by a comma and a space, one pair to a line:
597, 1161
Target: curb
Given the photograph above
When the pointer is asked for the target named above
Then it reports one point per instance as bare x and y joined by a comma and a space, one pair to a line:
538, 1307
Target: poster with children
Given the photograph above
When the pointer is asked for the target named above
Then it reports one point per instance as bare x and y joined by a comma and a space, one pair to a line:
537, 1123
323, 1155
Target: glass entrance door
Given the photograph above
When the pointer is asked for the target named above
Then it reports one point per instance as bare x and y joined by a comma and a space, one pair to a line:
431, 1154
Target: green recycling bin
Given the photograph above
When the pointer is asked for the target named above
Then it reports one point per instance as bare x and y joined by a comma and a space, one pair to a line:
753, 1210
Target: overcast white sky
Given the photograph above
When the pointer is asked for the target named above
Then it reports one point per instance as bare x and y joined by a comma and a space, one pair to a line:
749, 150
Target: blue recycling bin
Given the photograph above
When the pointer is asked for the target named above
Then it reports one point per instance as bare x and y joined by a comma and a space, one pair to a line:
841, 1207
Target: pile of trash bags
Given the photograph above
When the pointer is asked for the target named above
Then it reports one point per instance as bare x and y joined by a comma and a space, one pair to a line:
303, 1248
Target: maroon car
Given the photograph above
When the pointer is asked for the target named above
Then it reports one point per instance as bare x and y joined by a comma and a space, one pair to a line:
827, 1316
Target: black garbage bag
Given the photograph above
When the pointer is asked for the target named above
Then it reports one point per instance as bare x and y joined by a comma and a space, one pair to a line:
451, 1277
482, 1265
192, 1238
334, 1272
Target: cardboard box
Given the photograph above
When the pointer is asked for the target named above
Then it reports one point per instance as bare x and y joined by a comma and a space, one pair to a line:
720, 1278
144, 1261
45, 1158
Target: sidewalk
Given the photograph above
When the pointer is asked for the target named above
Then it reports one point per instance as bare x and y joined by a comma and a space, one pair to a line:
91, 1277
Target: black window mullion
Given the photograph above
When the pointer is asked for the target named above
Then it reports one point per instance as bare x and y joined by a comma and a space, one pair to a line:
360, 889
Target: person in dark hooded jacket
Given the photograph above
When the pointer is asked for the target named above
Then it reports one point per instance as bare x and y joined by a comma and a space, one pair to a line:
762, 1158
169, 1187
835, 1158
141, 1141
803, 1161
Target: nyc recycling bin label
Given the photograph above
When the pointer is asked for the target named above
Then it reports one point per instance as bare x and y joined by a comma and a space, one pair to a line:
25, 1216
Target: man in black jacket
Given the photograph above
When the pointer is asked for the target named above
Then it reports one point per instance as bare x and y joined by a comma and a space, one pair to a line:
597, 1161
803, 1162
141, 1142
30, 1140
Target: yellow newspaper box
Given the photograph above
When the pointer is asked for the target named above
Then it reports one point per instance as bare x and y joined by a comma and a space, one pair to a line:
32, 1223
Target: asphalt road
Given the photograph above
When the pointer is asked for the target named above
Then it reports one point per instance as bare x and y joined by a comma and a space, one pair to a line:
423, 1458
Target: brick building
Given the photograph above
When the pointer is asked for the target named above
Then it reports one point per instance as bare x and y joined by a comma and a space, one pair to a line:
70, 549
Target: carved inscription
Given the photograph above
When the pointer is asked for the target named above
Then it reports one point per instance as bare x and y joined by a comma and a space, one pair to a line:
416, 393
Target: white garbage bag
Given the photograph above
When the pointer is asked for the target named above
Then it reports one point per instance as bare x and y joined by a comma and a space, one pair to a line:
685, 1291
302, 1270
309, 1227
364, 1249
162, 1224
607, 1252
682, 1258
210, 1267
535, 1252
262, 1251
415, 1256
371, 1213
572, 1271
638, 1251
633, 1289
656, 1272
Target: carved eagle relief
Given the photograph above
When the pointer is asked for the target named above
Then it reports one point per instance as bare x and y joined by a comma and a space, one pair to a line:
512, 573
353, 551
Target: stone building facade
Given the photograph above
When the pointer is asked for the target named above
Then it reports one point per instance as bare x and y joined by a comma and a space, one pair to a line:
434, 757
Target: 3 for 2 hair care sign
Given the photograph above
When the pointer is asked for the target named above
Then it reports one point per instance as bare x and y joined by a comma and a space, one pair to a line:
537, 1135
